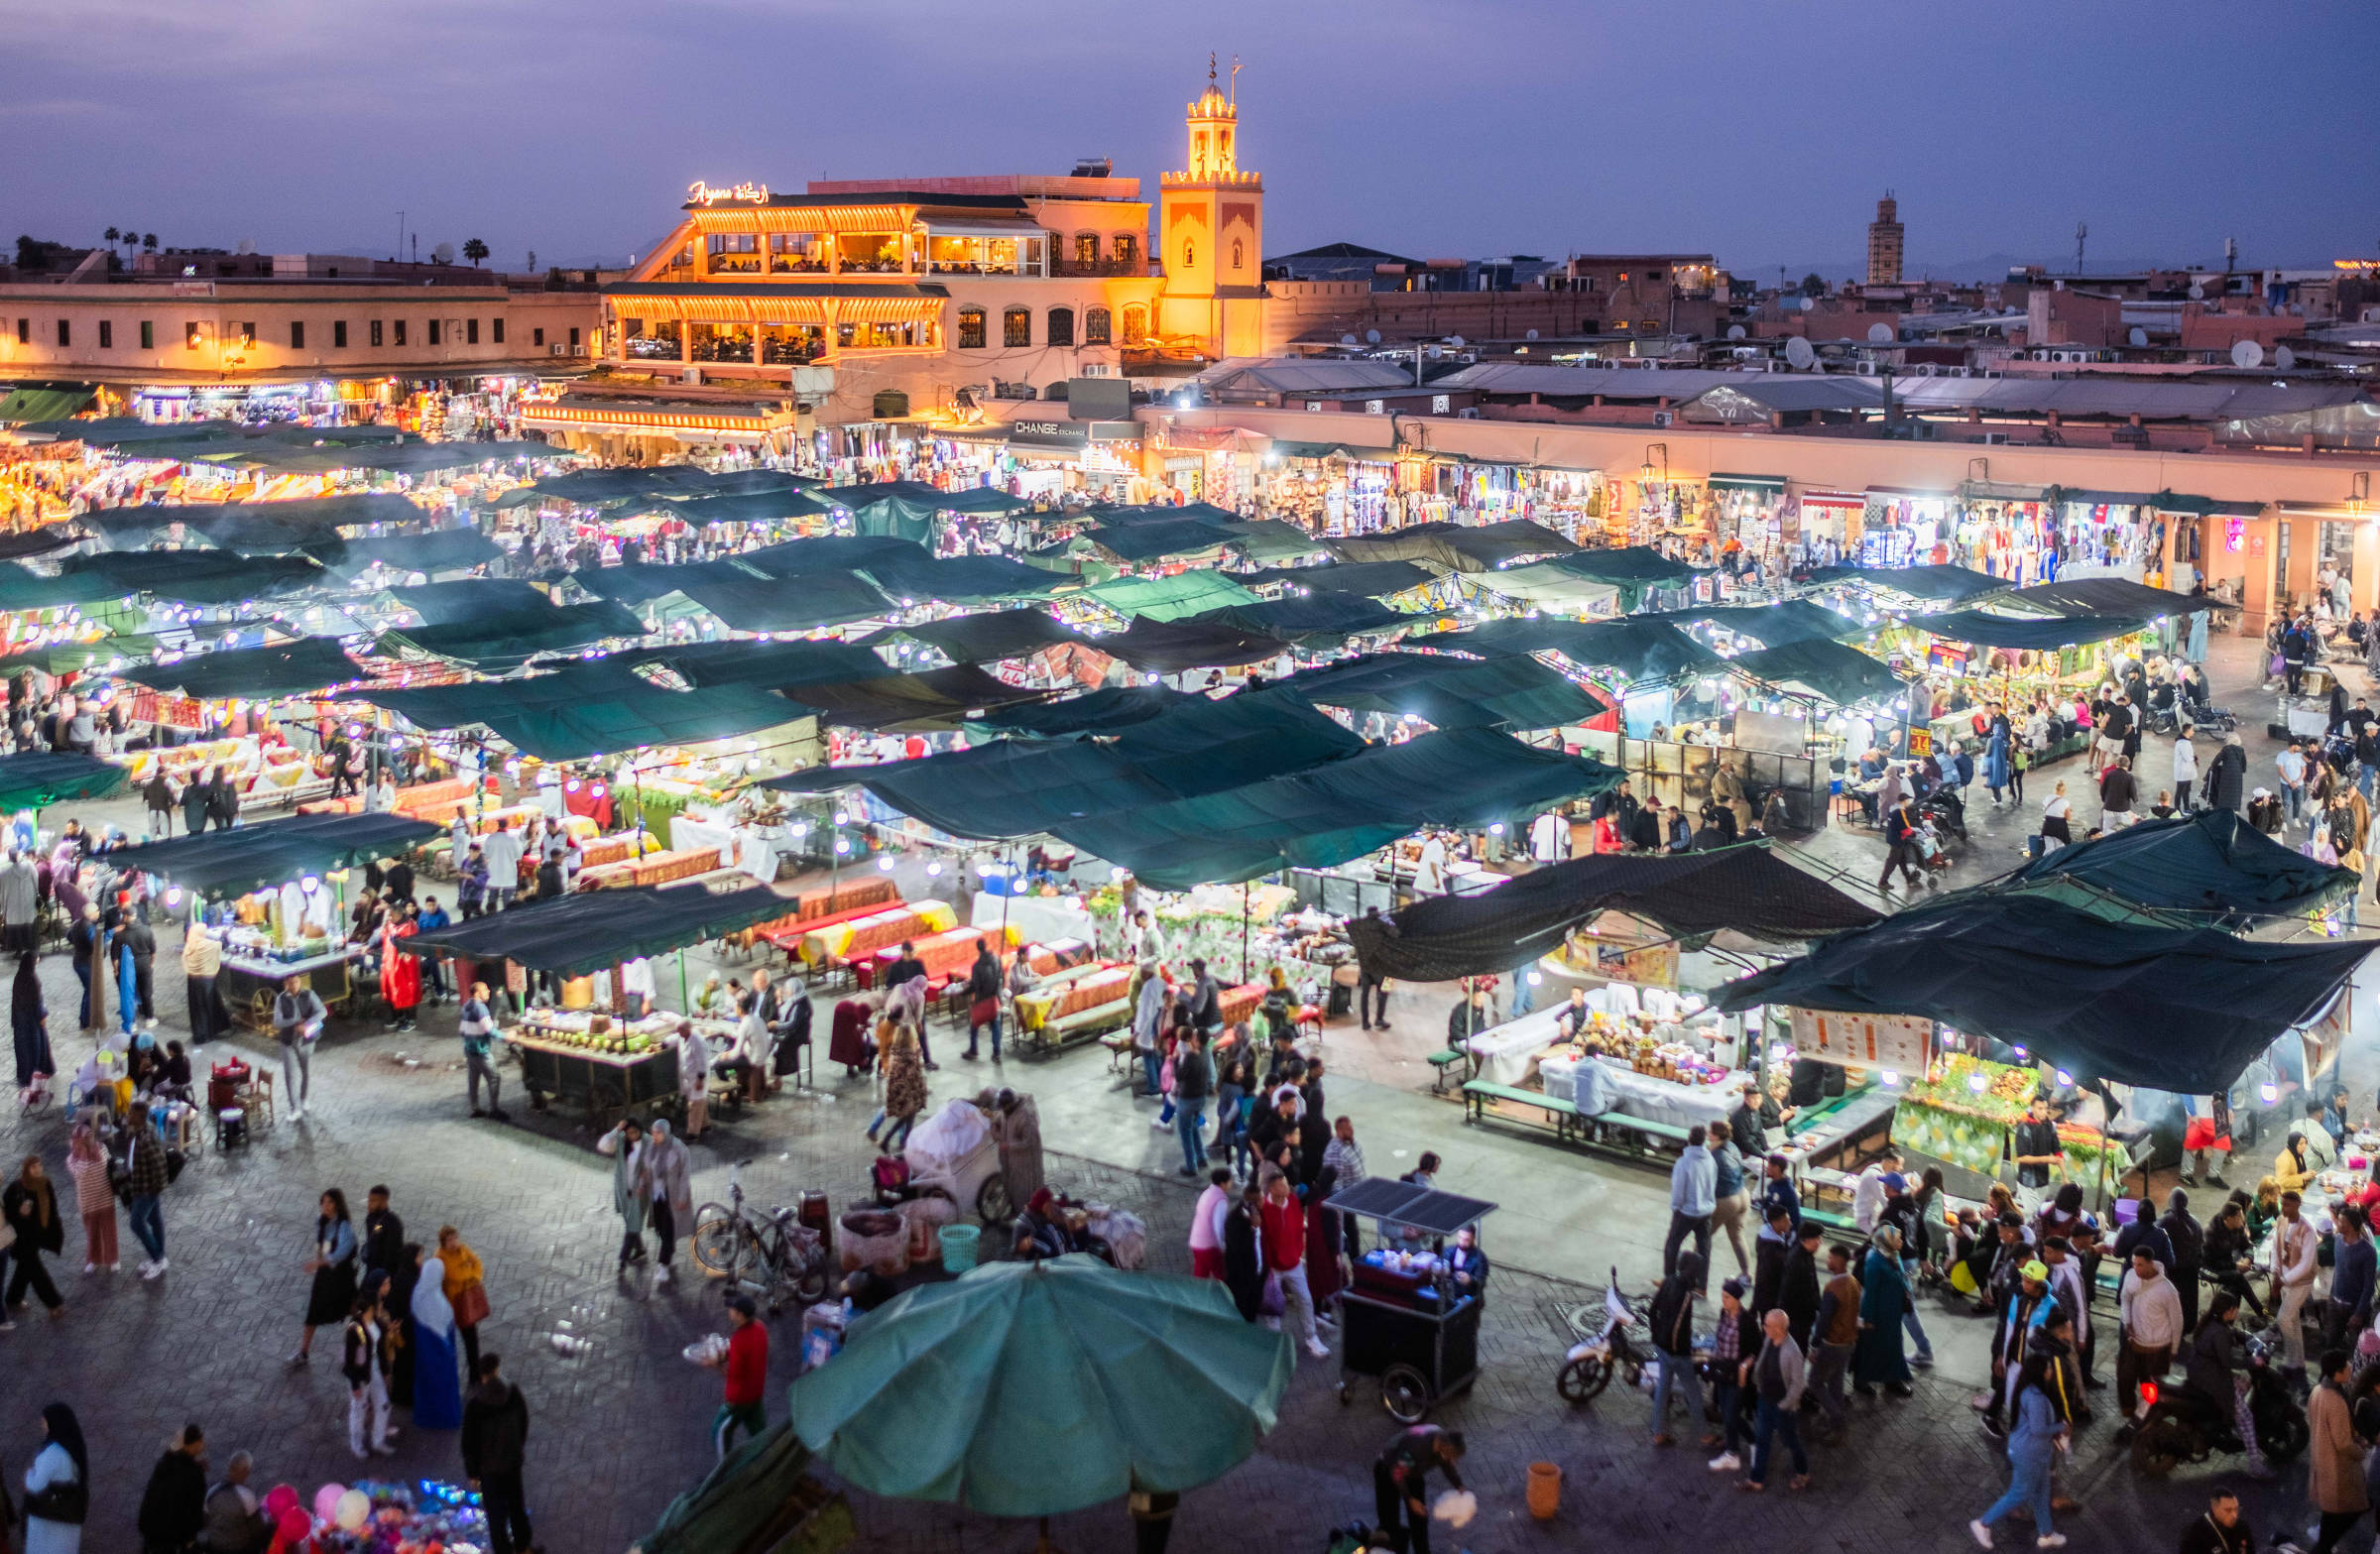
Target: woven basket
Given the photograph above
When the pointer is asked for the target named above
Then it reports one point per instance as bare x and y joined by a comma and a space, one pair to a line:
876, 1240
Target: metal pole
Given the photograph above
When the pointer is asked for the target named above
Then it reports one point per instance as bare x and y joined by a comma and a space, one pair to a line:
1243, 972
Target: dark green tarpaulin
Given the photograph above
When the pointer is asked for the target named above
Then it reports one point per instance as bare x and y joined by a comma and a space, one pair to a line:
2210, 862
1941, 584
438, 550
768, 604
72, 657
1450, 692
1986, 630
829, 553
2104, 596
1316, 620
259, 528
593, 931
745, 507
1170, 598
22, 588
1636, 650
286, 668
773, 664
983, 501
274, 852
640, 584
1632, 570
197, 576
895, 508
610, 487
1340, 810
1454, 548
467, 599
987, 638
37, 541
928, 699
1021, 788
1103, 711
1170, 539
38, 780
1171, 646
916, 578
2176, 1010
748, 1500
1774, 625
590, 709
512, 638
40, 401
1842, 675
1745, 889
1368, 579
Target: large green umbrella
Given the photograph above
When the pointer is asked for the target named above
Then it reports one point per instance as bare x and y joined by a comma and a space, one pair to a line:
38, 780
1034, 1388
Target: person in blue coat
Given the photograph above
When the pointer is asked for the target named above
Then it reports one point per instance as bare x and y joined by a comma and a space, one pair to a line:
1877, 1358
1995, 759
2034, 1441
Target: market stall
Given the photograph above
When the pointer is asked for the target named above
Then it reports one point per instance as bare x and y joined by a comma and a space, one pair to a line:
1405, 1317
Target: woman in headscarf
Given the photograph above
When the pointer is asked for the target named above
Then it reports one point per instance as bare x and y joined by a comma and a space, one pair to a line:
904, 1088
694, 1078
30, 1205
86, 1163
58, 1482
792, 1025
438, 1385
2291, 1169
400, 973
29, 1022
1877, 1359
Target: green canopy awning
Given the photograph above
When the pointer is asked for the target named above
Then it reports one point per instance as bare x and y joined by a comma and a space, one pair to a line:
774, 665
1035, 1388
45, 402
249, 857
747, 507
439, 550
765, 604
597, 708
1548, 586
468, 599
511, 638
1319, 619
290, 668
1170, 598
1986, 630
194, 576
593, 931
754, 1498
72, 658
1448, 691
1842, 675
38, 780
1636, 648
987, 638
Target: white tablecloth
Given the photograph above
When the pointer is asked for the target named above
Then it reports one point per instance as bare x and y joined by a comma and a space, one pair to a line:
1509, 1051
1038, 919
1641, 1095
739, 848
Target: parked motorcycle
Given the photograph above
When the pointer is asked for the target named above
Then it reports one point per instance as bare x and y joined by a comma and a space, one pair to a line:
1587, 1366
2174, 1425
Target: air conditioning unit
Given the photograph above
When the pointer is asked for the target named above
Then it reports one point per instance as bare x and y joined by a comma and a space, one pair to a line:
1664, 417
556, 348
1467, 412
1995, 438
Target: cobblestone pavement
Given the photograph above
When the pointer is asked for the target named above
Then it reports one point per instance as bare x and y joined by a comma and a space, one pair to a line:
622, 1428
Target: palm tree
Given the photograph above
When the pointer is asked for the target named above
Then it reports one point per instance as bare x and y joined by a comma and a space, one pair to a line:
474, 250
111, 234
148, 242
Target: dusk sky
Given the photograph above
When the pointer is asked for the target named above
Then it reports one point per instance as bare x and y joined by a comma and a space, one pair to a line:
1760, 132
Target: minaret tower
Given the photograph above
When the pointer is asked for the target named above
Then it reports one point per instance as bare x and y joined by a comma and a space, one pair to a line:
1211, 221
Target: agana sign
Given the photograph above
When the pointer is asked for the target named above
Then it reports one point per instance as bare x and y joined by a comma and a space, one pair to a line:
701, 194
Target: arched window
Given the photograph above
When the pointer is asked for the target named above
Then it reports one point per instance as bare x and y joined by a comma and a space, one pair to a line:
1237, 250
1095, 326
1016, 327
1135, 325
1086, 248
1126, 245
1061, 326
970, 328
1189, 255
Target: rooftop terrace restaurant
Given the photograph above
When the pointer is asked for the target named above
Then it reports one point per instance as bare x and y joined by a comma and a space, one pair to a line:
784, 280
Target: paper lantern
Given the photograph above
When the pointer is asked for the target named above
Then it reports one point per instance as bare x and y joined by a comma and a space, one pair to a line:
327, 1499
353, 1509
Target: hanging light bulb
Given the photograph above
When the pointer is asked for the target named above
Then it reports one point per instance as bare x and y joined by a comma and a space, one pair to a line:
885, 863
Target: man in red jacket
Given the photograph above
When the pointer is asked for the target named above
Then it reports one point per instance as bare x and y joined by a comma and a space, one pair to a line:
747, 1367
1285, 1256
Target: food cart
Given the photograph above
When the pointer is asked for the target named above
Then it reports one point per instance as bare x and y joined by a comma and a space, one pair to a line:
609, 1068
1400, 1319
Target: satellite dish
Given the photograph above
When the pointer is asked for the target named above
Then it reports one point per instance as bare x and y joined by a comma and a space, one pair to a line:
1734, 331
247, 245
1533, 334
2198, 293
1371, 336
1346, 339
1809, 304
2246, 353
1456, 340
1799, 354
1436, 352
1879, 334
2285, 358
2138, 336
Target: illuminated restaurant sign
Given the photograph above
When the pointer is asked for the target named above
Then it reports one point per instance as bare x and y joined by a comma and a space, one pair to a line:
701, 194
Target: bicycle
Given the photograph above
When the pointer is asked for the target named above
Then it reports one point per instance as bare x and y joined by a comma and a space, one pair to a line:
767, 1251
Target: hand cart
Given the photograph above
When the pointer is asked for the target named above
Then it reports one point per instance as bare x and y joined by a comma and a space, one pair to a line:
1411, 1329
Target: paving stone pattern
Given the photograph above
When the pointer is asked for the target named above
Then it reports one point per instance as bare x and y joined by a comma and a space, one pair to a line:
623, 1427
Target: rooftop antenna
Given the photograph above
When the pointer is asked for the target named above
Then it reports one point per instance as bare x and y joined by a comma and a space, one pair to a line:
2081, 231
1235, 80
